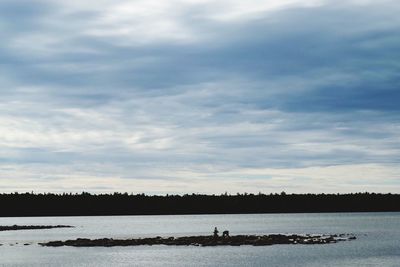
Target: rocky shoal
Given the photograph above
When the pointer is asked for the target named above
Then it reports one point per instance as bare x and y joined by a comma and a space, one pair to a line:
236, 240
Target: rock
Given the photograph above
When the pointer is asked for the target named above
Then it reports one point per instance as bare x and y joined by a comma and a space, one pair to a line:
205, 241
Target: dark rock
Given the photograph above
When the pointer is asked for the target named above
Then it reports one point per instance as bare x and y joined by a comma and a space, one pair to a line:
205, 241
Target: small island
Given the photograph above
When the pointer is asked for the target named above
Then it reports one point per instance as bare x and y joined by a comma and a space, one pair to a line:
31, 227
235, 240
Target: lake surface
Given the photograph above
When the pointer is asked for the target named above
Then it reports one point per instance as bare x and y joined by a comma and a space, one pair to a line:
377, 244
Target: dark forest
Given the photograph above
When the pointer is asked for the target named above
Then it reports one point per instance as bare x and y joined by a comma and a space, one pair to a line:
85, 204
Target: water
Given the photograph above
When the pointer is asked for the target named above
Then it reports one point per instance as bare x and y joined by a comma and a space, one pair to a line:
377, 244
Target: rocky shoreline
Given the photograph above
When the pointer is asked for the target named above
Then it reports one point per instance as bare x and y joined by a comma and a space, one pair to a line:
236, 240
31, 227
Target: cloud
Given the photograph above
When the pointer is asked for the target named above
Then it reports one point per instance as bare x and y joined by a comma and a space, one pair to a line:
199, 96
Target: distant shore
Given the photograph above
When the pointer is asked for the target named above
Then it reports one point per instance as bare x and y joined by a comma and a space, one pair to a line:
86, 204
31, 227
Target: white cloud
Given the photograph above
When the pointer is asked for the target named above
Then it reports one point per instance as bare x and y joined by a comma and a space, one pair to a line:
198, 96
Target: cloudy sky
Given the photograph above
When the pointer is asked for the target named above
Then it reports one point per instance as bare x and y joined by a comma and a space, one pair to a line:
200, 96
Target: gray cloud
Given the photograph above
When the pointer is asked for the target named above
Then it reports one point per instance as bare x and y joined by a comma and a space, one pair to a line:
213, 97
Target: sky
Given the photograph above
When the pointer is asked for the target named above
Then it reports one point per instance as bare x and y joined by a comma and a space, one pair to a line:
200, 96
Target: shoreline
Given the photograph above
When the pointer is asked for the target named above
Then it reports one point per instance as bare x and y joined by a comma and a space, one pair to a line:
194, 214
31, 227
86, 204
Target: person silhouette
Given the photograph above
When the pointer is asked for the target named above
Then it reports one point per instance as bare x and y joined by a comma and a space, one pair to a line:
216, 232
225, 234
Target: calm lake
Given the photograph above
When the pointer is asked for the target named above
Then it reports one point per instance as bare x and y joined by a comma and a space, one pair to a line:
377, 244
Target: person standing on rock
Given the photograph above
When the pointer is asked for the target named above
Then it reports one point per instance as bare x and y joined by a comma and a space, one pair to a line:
216, 232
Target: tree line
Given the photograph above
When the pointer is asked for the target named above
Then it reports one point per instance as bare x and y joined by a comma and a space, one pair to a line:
86, 204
